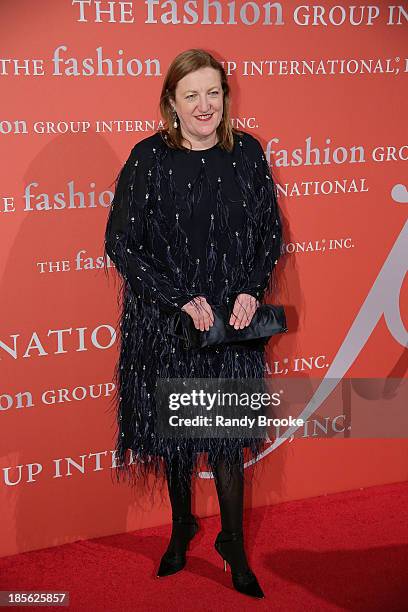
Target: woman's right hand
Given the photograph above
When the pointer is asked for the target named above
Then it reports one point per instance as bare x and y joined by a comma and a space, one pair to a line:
201, 312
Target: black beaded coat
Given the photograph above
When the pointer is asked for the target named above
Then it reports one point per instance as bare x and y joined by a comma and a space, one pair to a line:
185, 223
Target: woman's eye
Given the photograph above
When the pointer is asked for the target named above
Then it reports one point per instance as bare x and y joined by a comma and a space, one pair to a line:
191, 96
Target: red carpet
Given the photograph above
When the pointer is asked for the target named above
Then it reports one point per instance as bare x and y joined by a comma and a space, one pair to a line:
347, 551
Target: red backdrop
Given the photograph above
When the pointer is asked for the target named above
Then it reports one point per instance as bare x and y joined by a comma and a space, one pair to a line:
309, 78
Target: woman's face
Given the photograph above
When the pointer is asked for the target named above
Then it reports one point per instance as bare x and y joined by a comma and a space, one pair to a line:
199, 103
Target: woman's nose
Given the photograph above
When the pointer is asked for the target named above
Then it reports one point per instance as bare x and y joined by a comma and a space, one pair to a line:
203, 105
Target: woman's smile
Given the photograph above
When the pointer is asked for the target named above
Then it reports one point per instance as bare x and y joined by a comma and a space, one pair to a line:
204, 117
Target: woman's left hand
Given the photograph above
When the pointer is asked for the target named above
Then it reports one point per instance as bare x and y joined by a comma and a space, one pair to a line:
243, 311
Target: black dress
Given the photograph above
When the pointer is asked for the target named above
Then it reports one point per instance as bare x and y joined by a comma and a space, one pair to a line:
184, 224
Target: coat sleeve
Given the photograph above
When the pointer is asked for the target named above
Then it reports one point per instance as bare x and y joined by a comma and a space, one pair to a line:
269, 236
125, 238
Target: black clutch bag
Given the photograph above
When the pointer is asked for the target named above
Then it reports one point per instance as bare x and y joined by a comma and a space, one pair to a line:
267, 321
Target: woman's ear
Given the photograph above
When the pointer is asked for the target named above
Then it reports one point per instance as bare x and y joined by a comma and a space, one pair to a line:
172, 103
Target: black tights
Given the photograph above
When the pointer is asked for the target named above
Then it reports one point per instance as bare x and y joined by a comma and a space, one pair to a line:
230, 490
179, 491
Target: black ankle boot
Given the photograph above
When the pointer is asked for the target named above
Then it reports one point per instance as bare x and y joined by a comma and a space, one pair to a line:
174, 559
231, 548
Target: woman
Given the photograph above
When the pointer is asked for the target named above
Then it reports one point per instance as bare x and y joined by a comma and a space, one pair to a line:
194, 221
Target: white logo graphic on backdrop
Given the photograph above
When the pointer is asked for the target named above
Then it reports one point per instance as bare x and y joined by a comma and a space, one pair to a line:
213, 12
61, 341
382, 300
